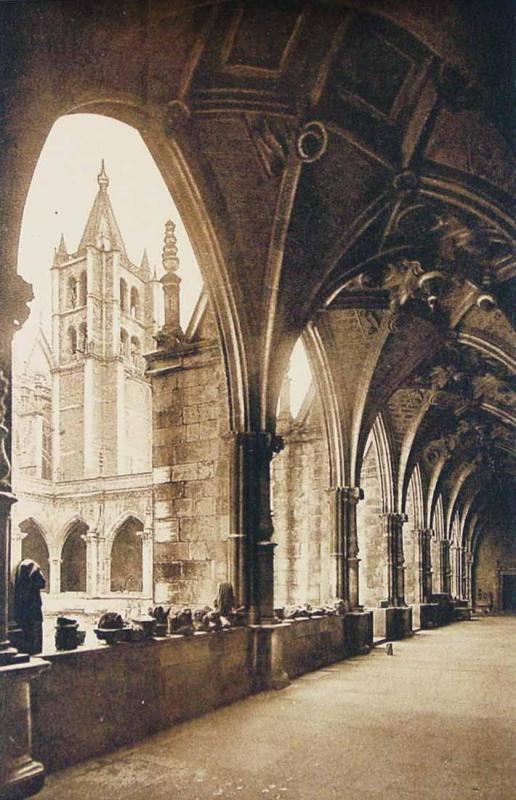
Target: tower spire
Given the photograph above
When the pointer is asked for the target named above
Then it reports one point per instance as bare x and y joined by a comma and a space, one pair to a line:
102, 229
102, 177
145, 266
169, 258
171, 333
61, 253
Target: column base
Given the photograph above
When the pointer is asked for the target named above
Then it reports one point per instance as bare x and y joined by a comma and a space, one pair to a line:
268, 657
425, 615
393, 622
25, 780
461, 610
20, 775
445, 608
358, 627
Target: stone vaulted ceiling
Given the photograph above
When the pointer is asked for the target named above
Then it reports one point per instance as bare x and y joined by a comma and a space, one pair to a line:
344, 166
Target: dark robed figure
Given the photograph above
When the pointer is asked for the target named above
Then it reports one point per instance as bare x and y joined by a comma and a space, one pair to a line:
28, 583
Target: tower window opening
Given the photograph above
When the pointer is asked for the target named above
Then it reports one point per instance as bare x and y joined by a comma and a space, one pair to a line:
124, 343
135, 303
83, 288
83, 337
135, 349
123, 295
72, 341
72, 293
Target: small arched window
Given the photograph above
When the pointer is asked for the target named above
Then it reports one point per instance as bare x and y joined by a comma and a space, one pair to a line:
72, 341
73, 560
124, 343
127, 558
82, 345
83, 288
72, 293
135, 303
123, 296
135, 349
35, 547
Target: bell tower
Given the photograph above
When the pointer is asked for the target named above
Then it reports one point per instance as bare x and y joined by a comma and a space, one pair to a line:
102, 322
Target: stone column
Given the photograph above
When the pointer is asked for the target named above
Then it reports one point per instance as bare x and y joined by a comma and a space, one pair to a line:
456, 572
92, 563
344, 543
444, 545
424, 537
55, 575
147, 562
17, 538
7, 652
467, 576
394, 562
251, 551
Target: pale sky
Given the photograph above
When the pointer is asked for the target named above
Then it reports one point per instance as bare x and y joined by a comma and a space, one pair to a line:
63, 188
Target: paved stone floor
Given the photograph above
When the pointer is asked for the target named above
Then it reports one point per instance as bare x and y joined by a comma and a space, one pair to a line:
433, 722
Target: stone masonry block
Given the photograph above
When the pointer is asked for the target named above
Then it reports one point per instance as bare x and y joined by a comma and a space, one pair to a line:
197, 528
183, 507
184, 472
166, 530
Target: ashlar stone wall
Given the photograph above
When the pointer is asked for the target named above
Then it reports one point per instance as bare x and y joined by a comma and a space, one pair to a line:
300, 476
190, 474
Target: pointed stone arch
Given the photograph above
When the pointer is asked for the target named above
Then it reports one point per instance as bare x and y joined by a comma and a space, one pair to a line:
74, 557
384, 451
370, 529
126, 573
35, 546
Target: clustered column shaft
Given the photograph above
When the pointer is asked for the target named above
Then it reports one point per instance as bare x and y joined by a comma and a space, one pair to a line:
7, 652
445, 566
394, 562
424, 537
251, 553
344, 547
467, 589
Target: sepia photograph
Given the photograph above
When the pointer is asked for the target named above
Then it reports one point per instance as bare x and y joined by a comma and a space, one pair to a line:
257, 400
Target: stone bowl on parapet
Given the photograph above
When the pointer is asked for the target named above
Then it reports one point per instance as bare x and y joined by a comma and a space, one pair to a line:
111, 635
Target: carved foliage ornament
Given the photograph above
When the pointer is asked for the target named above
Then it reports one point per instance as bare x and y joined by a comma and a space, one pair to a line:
449, 253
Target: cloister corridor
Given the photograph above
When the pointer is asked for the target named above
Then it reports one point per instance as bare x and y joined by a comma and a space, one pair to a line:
433, 722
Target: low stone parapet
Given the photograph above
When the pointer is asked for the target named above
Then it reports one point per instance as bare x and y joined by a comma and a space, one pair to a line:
393, 622
94, 700
425, 615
